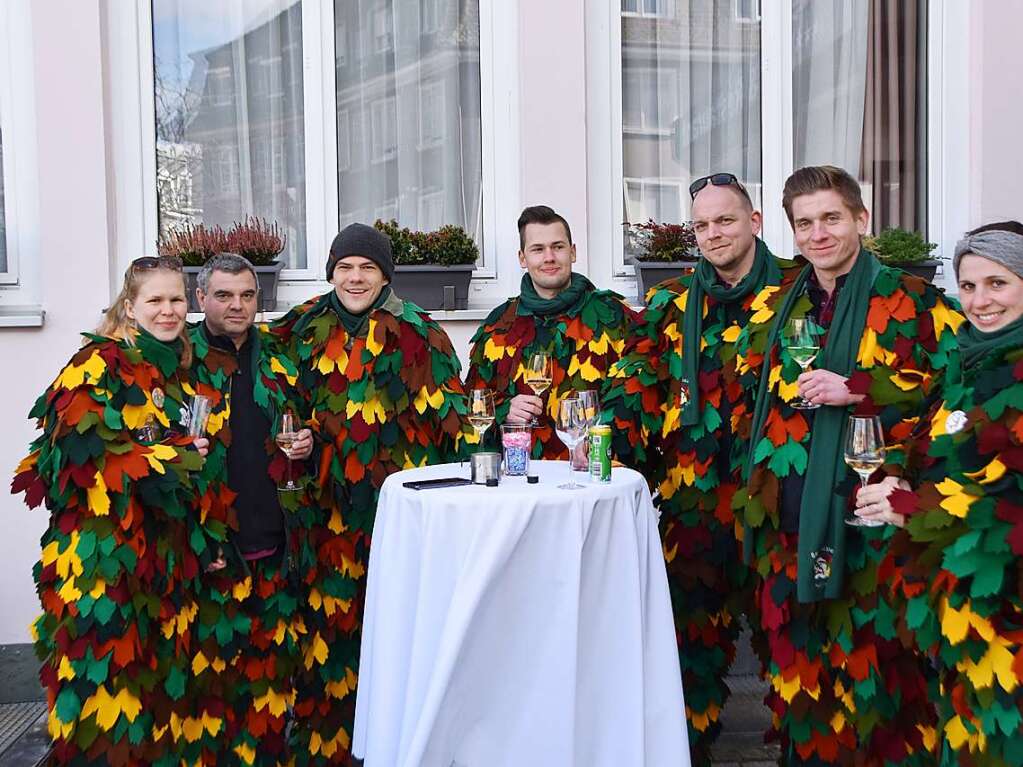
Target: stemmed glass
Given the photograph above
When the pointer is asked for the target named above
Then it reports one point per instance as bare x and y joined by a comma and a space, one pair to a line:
864, 452
286, 435
481, 412
571, 428
802, 340
537, 375
590, 400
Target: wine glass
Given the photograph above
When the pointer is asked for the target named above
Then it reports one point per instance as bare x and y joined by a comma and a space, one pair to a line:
198, 413
571, 428
286, 435
864, 452
590, 400
537, 375
481, 411
802, 340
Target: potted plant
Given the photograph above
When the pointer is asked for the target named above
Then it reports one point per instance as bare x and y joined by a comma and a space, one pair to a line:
432, 269
660, 251
255, 239
908, 251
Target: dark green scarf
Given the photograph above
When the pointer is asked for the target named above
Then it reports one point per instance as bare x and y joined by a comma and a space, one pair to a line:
569, 298
166, 355
353, 322
821, 510
764, 271
975, 345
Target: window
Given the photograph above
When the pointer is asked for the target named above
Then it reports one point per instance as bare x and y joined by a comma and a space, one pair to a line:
431, 113
382, 28
215, 164
748, 11
657, 199
3, 218
431, 210
344, 141
648, 8
432, 15
384, 129
650, 99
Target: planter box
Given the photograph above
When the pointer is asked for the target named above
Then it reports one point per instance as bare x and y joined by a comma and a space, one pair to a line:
267, 276
434, 287
925, 269
649, 273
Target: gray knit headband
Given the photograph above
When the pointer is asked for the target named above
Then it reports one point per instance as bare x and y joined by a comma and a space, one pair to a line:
1005, 248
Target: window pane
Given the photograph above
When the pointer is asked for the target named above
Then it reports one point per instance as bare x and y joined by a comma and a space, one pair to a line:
859, 100
229, 115
690, 103
3, 219
408, 101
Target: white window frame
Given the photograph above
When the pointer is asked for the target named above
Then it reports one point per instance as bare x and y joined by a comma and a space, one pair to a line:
132, 145
948, 131
344, 131
666, 9
20, 294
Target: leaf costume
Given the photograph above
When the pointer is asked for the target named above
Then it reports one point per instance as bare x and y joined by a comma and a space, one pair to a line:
383, 397
844, 683
250, 627
114, 579
583, 330
696, 466
957, 563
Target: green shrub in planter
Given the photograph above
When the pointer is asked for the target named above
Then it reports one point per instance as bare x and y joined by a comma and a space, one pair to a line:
432, 269
896, 247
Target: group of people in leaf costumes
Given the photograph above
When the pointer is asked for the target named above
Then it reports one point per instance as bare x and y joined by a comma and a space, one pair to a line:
199, 609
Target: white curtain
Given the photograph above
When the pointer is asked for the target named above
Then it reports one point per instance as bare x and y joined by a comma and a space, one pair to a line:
3, 220
408, 100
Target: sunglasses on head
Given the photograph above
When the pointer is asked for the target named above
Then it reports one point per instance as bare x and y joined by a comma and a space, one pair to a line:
144, 263
718, 179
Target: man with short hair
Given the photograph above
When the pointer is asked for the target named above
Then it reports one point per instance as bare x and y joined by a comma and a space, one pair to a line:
248, 623
382, 384
681, 415
557, 312
843, 686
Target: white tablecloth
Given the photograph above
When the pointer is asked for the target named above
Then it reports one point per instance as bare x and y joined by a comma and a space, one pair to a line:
518, 625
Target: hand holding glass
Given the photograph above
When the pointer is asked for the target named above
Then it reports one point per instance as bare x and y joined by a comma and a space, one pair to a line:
571, 428
864, 452
198, 413
802, 341
286, 435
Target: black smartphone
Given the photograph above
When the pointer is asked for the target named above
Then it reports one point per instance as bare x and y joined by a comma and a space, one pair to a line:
426, 484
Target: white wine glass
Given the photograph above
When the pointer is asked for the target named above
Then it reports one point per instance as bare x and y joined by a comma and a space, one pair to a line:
571, 428
864, 452
802, 341
286, 435
537, 375
481, 412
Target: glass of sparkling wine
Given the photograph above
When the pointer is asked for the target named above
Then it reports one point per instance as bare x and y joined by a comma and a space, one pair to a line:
802, 341
864, 452
571, 428
481, 412
537, 375
286, 435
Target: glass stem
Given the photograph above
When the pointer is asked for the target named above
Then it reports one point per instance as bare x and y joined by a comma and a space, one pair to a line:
290, 483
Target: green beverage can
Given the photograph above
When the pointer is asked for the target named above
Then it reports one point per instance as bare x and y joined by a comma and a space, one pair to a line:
600, 453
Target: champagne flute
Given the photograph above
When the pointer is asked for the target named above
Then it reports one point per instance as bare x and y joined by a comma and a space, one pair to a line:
286, 435
537, 375
864, 452
481, 412
590, 400
802, 340
571, 427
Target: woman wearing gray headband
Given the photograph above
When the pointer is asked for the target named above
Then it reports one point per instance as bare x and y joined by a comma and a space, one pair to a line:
962, 589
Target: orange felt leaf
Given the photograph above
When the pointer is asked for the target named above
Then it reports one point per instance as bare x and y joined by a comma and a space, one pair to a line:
860, 661
354, 468
901, 306
877, 316
578, 330
133, 464
1017, 429
354, 369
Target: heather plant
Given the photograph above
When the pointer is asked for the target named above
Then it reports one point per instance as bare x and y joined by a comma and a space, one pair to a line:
254, 238
194, 244
658, 241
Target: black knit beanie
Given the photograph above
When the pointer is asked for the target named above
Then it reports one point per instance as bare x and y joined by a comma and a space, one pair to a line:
365, 241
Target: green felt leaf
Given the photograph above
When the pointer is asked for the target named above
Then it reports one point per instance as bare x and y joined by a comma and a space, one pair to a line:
68, 706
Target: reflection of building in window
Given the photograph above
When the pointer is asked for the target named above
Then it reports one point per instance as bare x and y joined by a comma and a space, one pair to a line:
663, 8
178, 184
340, 41
382, 26
747, 11
388, 211
344, 140
384, 128
430, 215
432, 18
223, 170
649, 99
432, 109
219, 87
657, 198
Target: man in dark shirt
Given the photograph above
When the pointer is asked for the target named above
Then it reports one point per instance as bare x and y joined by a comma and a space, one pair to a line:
248, 628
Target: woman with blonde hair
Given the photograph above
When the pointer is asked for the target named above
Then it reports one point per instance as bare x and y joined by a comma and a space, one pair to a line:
112, 467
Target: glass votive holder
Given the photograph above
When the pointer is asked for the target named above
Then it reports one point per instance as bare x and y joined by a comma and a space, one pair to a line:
516, 440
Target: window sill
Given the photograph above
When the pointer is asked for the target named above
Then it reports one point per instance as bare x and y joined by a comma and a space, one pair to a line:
458, 315
21, 316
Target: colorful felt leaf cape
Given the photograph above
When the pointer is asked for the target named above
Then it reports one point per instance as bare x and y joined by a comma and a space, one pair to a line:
695, 471
583, 343
387, 400
117, 566
844, 681
956, 566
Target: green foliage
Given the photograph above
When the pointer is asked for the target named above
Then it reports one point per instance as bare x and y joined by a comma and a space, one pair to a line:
662, 242
448, 246
897, 246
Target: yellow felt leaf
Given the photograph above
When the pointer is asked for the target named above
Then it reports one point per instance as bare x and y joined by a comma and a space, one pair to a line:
731, 334
64, 670
588, 372
672, 416
838, 722
671, 332
493, 351
599, 346
276, 702
314, 599
995, 663
135, 416
906, 383
930, 736
787, 689
317, 651
242, 589
938, 421
246, 753
424, 399
326, 365
50, 553
219, 664
155, 454
211, 724
215, 421
993, 472
97, 497
942, 316
89, 372
199, 664
68, 592
373, 346
98, 588
192, 728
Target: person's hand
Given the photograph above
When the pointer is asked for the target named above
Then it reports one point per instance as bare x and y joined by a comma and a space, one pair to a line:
873, 502
524, 408
202, 445
823, 387
217, 564
302, 447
